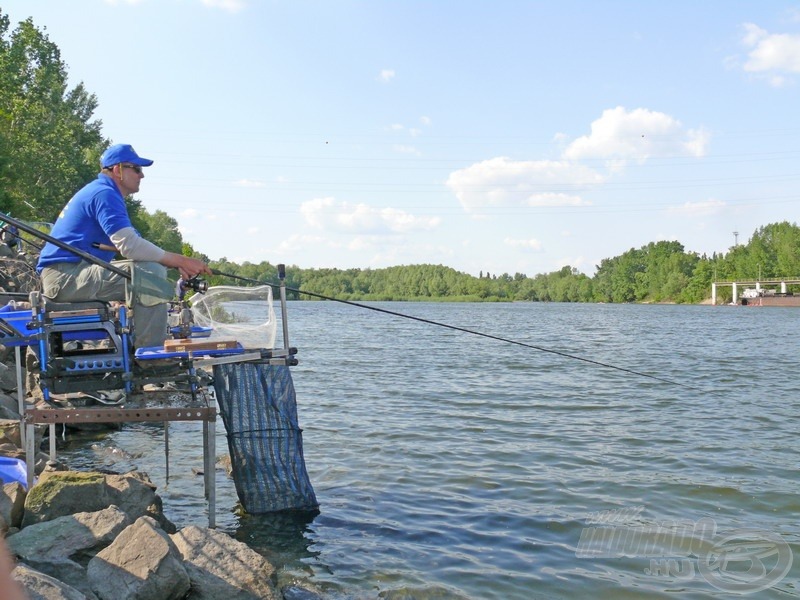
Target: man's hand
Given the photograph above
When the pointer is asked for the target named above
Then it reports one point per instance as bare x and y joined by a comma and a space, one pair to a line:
187, 266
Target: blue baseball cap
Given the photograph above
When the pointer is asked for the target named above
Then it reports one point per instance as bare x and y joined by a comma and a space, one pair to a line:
120, 153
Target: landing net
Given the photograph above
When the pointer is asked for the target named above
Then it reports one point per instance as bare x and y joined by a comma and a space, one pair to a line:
244, 314
258, 407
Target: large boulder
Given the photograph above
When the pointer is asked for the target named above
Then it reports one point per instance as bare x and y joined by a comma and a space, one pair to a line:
68, 535
9, 402
142, 563
64, 570
64, 493
61, 493
12, 503
8, 378
222, 567
38, 585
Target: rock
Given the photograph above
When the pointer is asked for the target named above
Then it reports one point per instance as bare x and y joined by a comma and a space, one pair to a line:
7, 414
11, 450
62, 493
65, 536
294, 592
9, 402
38, 585
9, 431
221, 567
12, 503
142, 563
66, 571
136, 495
8, 378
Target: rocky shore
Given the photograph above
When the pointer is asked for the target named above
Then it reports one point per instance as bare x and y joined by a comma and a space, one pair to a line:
101, 536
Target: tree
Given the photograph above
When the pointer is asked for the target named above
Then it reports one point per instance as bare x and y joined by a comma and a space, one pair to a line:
49, 147
162, 230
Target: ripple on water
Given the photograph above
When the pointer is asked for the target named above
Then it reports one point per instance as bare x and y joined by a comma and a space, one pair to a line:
453, 466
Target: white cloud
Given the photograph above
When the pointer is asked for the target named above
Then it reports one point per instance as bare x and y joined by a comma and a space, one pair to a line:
190, 213
698, 209
248, 183
621, 135
327, 214
293, 242
386, 75
425, 120
504, 182
771, 55
232, 6
253, 230
531, 244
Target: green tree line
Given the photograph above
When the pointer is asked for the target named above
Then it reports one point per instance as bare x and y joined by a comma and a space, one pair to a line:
658, 272
50, 146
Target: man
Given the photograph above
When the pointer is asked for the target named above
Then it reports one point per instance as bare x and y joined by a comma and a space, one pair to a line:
96, 221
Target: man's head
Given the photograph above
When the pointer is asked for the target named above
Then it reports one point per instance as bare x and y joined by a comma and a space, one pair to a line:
121, 162
122, 153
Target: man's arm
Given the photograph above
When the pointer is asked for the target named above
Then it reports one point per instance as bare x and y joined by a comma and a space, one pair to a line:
134, 247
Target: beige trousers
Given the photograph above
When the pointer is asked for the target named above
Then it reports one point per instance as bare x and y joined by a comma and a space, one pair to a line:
80, 282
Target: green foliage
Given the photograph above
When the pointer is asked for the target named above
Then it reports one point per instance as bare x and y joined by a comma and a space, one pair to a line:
658, 272
162, 230
49, 147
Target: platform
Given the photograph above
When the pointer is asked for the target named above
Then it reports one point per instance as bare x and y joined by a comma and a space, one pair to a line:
156, 406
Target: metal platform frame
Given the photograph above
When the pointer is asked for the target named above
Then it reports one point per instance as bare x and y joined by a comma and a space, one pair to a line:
51, 416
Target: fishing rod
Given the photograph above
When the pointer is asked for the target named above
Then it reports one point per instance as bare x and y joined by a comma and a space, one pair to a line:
63, 245
462, 329
93, 259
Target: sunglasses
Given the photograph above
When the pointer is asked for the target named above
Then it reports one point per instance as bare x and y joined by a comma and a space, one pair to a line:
136, 168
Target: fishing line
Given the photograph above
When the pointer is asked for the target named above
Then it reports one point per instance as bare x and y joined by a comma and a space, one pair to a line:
114, 269
464, 330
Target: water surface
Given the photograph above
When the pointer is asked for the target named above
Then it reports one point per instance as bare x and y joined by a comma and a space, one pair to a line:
453, 466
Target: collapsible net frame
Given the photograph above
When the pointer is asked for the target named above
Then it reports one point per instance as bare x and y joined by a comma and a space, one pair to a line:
258, 407
244, 314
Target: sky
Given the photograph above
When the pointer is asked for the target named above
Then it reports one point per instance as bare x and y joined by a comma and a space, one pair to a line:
502, 136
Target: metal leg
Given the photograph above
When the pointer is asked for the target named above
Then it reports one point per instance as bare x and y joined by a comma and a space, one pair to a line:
52, 431
209, 475
20, 394
30, 453
166, 450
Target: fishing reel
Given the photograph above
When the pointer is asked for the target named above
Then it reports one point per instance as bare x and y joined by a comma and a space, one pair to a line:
181, 317
195, 284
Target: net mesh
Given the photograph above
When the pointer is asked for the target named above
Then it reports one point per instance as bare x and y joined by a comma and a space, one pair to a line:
244, 314
259, 410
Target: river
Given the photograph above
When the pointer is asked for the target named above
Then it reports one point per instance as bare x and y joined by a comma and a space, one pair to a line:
449, 465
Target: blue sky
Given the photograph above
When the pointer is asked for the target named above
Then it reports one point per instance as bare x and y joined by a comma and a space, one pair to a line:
504, 136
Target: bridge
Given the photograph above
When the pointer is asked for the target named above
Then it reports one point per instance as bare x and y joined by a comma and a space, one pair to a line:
778, 282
